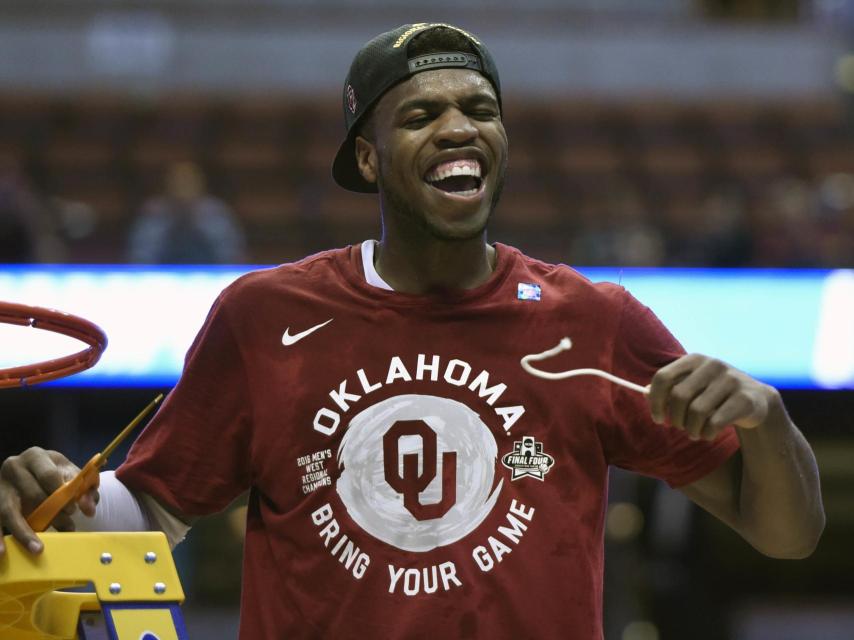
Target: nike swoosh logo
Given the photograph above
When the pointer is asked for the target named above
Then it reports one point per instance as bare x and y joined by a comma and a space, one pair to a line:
288, 339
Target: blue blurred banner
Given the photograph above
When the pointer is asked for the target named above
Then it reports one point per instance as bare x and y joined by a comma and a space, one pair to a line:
790, 328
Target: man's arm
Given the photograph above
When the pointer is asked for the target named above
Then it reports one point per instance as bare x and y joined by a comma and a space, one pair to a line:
121, 509
769, 492
26, 480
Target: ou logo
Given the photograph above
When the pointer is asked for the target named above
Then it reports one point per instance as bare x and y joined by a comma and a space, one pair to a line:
418, 471
412, 482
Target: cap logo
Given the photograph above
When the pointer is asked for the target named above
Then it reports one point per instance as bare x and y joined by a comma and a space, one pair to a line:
420, 26
416, 27
351, 99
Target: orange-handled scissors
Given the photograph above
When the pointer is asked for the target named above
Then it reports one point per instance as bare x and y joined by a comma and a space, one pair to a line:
86, 480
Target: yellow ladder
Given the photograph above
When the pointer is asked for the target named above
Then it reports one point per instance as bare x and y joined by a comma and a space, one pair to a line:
136, 588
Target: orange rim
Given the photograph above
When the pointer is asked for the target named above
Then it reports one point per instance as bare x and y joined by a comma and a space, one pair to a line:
57, 322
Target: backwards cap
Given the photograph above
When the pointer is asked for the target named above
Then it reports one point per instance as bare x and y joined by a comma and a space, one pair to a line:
384, 62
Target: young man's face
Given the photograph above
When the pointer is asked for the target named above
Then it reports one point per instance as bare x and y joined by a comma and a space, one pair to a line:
437, 149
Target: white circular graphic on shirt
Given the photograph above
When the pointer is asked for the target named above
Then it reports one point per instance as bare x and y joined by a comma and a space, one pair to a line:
418, 471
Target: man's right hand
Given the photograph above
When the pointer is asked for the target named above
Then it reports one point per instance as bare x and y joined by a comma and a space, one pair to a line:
25, 481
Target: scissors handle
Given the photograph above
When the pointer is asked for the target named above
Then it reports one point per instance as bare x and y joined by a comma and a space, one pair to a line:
88, 478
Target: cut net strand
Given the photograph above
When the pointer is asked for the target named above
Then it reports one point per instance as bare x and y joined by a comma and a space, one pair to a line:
565, 345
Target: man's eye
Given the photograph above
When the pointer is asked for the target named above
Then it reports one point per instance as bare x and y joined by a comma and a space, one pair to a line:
484, 114
416, 122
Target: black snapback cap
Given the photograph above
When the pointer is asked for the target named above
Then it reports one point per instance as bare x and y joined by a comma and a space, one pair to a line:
384, 62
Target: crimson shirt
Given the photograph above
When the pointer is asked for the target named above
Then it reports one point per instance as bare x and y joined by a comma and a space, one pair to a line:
407, 478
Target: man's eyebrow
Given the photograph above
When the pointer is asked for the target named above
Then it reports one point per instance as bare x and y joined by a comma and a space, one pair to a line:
431, 104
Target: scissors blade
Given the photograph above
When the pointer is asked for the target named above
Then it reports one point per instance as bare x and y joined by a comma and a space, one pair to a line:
126, 431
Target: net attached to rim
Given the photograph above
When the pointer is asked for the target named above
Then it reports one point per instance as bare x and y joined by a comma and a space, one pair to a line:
57, 322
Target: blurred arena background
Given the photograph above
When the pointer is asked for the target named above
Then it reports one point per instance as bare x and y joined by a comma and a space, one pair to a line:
651, 133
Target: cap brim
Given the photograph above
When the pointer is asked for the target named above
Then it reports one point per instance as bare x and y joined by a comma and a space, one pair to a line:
345, 172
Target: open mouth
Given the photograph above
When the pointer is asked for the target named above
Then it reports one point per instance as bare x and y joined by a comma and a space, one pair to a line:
456, 177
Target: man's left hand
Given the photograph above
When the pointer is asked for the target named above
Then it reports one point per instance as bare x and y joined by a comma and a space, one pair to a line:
703, 395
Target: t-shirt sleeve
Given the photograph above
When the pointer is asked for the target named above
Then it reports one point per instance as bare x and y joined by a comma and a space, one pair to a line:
193, 457
634, 441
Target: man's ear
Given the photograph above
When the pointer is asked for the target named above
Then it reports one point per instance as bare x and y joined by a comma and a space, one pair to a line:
366, 159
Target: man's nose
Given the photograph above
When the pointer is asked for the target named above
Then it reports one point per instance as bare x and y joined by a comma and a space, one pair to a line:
455, 128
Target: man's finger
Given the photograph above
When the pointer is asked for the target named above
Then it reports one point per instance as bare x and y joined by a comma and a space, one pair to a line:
681, 396
27, 489
14, 521
63, 522
51, 473
662, 383
711, 432
737, 406
88, 502
704, 405
697, 372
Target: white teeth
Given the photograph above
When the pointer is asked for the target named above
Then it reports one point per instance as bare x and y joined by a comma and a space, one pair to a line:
454, 168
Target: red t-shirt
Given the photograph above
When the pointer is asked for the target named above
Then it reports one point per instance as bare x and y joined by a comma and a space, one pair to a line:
407, 478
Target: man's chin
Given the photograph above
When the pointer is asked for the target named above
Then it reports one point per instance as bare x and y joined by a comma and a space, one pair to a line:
446, 218
457, 232
455, 218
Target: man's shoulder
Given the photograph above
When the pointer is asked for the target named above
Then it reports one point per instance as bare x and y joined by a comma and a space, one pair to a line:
568, 280
317, 270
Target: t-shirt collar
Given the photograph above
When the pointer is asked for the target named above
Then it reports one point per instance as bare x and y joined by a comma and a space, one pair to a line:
371, 276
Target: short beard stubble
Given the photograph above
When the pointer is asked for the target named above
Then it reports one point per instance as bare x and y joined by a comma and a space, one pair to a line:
398, 202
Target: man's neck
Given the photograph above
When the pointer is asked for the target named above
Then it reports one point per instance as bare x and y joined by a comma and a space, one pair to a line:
437, 265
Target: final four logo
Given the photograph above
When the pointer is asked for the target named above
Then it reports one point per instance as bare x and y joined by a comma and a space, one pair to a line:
528, 459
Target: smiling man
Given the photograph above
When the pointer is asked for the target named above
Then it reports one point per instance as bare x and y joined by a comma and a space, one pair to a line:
435, 184
406, 478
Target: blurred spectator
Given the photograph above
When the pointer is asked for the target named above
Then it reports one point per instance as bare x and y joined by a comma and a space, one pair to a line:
637, 242
803, 224
723, 227
17, 240
712, 232
615, 229
834, 221
27, 226
186, 225
783, 225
